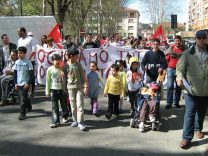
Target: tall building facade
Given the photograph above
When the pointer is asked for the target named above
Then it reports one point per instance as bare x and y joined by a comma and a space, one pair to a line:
129, 23
198, 14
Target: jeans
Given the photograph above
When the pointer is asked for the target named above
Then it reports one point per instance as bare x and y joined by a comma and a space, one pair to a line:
194, 115
170, 88
33, 78
76, 96
4, 81
58, 95
24, 100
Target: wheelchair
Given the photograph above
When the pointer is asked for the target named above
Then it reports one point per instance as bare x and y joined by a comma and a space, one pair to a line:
12, 94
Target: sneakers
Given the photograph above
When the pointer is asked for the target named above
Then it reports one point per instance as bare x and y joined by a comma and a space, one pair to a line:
184, 144
65, 120
155, 126
199, 135
82, 126
141, 127
177, 106
54, 125
108, 116
4, 102
74, 124
22, 116
96, 114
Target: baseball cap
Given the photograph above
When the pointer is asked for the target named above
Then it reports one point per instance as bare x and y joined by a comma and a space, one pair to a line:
201, 34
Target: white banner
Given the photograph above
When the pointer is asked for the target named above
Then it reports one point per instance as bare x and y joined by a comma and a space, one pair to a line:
104, 57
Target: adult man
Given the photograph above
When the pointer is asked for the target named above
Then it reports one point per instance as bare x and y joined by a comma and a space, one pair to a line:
192, 68
7, 77
68, 43
30, 44
153, 62
89, 43
6, 48
173, 54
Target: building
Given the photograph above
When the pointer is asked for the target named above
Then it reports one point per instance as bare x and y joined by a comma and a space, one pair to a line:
198, 14
126, 25
129, 23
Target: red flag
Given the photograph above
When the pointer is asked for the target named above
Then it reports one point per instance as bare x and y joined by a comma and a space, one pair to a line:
56, 35
159, 33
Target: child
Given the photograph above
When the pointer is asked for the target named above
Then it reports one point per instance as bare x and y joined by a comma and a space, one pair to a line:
114, 88
75, 80
93, 78
122, 74
54, 87
148, 106
128, 56
7, 77
67, 96
134, 79
23, 71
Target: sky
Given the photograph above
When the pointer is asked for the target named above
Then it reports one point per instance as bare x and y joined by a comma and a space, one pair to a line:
182, 16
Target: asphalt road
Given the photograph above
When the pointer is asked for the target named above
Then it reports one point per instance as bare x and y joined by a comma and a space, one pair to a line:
34, 137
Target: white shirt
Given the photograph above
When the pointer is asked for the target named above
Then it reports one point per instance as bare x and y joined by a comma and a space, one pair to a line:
6, 53
29, 43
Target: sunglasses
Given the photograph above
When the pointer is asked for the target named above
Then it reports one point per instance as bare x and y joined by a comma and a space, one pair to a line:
199, 38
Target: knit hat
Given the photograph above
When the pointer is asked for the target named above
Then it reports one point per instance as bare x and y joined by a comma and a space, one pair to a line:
134, 59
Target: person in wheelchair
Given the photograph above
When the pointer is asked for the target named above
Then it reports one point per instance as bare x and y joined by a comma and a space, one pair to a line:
7, 77
148, 106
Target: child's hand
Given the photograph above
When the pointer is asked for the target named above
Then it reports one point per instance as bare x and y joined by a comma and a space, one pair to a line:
16, 87
26, 86
62, 74
86, 91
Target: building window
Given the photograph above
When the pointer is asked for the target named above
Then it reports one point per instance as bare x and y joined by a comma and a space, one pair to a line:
119, 27
130, 28
132, 14
130, 34
131, 21
125, 14
120, 21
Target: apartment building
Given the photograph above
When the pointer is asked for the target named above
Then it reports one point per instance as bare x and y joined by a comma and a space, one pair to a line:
129, 23
198, 14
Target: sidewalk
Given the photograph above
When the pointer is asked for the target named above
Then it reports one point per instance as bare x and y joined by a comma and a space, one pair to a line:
34, 137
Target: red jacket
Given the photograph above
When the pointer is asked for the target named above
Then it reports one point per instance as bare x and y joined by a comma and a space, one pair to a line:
172, 56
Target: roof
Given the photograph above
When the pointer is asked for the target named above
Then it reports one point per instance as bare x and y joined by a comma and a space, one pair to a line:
129, 9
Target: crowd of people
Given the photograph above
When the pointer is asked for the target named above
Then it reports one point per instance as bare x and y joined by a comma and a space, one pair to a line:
67, 82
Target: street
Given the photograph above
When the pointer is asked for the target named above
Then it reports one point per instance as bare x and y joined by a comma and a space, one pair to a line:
34, 137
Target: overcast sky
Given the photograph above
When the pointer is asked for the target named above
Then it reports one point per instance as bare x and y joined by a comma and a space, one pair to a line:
182, 16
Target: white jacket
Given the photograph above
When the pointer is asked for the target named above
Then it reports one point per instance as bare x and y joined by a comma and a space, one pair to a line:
133, 86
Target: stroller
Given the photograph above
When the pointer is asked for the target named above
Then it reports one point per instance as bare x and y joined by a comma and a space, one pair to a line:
146, 105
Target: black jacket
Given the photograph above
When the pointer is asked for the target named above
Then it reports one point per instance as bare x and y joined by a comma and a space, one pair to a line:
152, 62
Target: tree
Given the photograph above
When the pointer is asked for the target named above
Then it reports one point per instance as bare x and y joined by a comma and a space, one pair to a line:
76, 15
159, 10
105, 15
62, 8
12, 7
